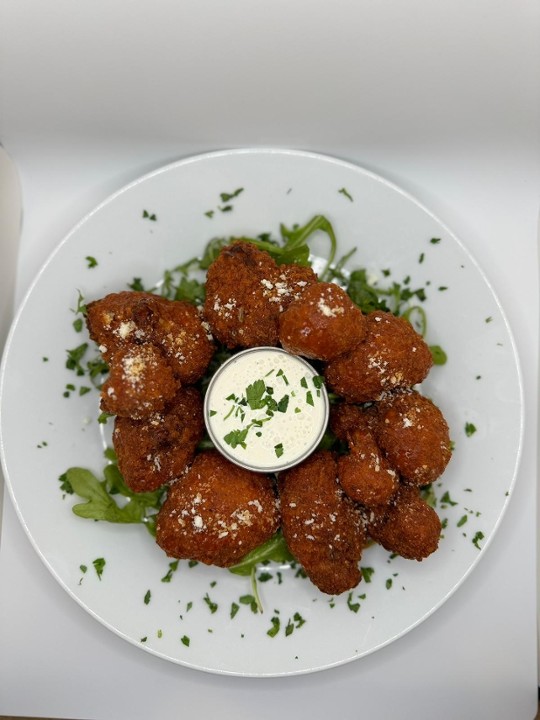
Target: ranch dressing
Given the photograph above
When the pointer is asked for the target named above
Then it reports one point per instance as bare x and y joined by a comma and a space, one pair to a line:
266, 409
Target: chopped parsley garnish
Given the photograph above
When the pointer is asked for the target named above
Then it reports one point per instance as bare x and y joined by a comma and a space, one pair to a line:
470, 429
91, 261
237, 438
278, 449
226, 197
251, 601
99, 566
276, 624
74, 358
212, 606
283, 404
347, 194
173, 566
367, 573
254, 395
136, 284
477, 538
446, 499
438, 355
185, 640
147, 597
354, 606
149, 216
282, 375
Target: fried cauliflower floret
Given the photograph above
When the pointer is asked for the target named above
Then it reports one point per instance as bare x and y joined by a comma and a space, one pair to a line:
410, 527
347, 417
365, 474
156, 450
321, 525
124, 319
217, 512
392, 355
182, 335
245, 293
322, 324
140, 383
414, 435
113, 323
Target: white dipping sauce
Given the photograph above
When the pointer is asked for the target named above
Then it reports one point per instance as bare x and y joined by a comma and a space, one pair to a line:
266, 409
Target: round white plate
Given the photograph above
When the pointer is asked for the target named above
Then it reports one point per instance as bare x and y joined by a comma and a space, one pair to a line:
159, 221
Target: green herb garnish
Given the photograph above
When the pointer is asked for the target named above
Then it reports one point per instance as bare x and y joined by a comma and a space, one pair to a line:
101, 504
99, 566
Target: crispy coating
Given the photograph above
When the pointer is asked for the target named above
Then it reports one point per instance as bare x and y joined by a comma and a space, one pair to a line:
245, 293
322, 324
414, 435
111, 321
128, 318
184, 338
156, 450
393, 355
364, 474
347, 417
410, 527
140, 383
217, 512
321, 525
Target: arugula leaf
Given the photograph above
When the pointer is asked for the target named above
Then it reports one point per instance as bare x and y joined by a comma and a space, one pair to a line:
363, 294
114, 484
101, 504
296, 239
274, 549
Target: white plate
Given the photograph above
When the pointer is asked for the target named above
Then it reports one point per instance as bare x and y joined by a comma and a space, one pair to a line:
44, 433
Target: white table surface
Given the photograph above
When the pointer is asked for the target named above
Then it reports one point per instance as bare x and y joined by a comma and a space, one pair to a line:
442, 100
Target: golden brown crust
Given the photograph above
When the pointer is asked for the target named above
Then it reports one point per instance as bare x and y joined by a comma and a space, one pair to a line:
365, 474
393, 355
321, 526
410, 527
129, 318
414, 436
245, 293
347, 417
140, 382
179, 331
322, 324
217, 512
111, 321
157, 450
